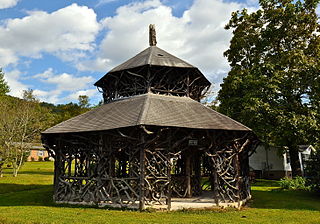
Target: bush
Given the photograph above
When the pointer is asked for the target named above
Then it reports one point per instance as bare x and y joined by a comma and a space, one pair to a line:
297, 183
40, 158
32, 159
46, 158
312, 171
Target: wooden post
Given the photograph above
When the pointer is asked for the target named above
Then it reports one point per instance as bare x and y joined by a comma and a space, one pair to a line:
188, 174
197, 171
169, 172
58, 168
142, 173
215, 185
237, 167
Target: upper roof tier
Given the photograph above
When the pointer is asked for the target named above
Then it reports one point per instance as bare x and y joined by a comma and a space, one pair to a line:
153, 55
153, 70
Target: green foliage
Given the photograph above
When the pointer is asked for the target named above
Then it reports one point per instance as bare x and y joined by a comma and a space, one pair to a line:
83, 101
28, 95
312, 171
62, 112
274, 83
297, 183
40, 159
21, 121
4, 88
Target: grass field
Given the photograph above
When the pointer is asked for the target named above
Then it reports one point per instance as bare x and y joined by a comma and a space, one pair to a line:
28, 199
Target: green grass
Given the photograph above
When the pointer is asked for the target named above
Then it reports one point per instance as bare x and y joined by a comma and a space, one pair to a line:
28, 199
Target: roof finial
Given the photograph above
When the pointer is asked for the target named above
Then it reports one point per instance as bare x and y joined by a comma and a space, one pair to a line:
152, 35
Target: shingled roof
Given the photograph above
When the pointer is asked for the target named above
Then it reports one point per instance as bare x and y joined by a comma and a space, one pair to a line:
153, 56
148, 109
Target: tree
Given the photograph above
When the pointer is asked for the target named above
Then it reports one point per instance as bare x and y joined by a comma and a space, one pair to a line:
273, 84
312, 171
83, 101
21, 121
4, 88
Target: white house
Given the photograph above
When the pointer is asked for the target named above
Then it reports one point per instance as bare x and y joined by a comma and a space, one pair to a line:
271, 164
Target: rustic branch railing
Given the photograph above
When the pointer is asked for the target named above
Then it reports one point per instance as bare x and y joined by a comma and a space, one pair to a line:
148, 166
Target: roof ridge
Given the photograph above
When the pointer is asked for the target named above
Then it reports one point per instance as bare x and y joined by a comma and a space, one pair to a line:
144, 110
148, 61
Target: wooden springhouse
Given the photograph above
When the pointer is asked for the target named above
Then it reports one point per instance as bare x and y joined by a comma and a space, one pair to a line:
152, 143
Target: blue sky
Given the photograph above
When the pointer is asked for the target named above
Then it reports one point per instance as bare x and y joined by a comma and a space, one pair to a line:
60, 48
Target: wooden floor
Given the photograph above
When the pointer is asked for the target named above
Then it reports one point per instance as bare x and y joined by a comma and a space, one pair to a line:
204, 201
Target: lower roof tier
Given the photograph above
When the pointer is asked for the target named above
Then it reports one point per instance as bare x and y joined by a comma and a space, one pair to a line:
148, 109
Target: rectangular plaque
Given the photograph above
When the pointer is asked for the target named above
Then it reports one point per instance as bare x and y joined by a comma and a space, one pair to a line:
193, 142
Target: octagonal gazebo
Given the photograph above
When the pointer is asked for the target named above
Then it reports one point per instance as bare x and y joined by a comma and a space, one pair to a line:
152, 144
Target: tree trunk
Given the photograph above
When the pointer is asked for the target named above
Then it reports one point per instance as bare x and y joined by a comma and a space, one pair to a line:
16, 165
1, 174
294, 161
14, 169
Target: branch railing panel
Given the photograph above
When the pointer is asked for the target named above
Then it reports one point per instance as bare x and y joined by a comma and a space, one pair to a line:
106, 167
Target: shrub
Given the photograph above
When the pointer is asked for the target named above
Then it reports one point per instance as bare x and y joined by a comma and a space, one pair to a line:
312, 171
32, 159
46, 158
297, 183
40, 158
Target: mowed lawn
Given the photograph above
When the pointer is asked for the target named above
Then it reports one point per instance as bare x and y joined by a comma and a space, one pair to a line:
28, 199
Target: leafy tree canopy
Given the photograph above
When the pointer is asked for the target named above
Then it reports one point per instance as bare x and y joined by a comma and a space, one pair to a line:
4, 88
83, 101
274, 83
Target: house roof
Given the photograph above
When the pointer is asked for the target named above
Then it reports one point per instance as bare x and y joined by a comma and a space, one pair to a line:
148, 109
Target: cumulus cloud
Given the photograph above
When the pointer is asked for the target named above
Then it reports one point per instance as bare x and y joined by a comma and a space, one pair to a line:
68, 82
7, 3
13, 78
198, 36
7, 56
64, 87
66, 32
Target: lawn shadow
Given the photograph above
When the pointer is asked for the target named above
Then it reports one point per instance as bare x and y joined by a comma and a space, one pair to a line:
32, 195
24, 195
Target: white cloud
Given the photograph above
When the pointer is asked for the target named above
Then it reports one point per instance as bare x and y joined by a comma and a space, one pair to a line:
65, 87
198, 36
74, 96
7, 57
13, 79
48, 96
66, 32
103, 2
46, 74
68, 82
7, 3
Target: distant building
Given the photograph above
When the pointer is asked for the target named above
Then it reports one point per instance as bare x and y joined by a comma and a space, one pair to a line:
270, 164
37, 152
